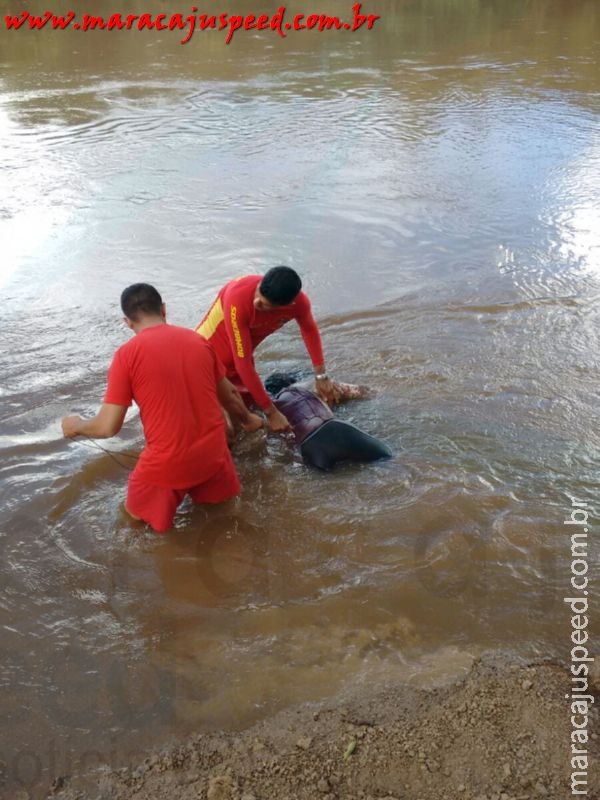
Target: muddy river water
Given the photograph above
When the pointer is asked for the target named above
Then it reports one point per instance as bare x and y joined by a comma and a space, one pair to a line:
436, 182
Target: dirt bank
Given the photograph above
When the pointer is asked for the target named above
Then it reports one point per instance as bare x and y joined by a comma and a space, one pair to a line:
503, 732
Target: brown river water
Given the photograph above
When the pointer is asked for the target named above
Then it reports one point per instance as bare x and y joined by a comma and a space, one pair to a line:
436, 182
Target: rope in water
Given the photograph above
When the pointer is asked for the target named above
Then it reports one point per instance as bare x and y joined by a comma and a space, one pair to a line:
93, 443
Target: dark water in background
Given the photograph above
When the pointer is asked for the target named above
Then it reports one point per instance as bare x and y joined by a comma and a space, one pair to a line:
436, 183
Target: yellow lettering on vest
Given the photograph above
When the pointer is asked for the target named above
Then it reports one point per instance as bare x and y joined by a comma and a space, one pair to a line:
239, 347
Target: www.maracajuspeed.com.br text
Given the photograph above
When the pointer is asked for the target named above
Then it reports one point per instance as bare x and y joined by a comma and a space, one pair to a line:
25, 20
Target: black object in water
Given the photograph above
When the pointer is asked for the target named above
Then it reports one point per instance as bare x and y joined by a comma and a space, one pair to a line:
340, 441
324, 440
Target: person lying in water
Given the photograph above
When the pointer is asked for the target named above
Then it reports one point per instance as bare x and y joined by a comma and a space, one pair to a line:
323, 440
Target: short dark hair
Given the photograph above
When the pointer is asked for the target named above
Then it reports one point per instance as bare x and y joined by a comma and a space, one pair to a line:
280, 285
140, 299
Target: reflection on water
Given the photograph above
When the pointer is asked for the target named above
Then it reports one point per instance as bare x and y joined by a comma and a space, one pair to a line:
435, 181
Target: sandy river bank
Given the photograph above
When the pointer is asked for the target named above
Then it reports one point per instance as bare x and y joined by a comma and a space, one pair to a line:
500, 732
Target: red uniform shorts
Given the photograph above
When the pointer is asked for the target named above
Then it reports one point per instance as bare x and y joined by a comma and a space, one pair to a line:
157, 506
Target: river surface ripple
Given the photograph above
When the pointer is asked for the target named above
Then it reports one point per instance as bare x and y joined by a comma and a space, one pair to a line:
436, 182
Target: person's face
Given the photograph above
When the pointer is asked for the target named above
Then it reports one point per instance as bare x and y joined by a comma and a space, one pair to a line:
262, 304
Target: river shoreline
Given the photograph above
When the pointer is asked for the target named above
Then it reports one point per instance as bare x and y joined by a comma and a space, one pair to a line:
501, 732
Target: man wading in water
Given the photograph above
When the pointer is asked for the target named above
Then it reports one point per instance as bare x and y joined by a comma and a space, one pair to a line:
180, 388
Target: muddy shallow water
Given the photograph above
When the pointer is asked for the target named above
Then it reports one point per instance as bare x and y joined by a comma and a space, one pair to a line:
435, 182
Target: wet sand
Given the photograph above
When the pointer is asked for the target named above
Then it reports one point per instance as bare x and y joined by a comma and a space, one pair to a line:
500, 732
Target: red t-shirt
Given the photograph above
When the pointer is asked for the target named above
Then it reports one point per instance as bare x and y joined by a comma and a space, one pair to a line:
235, 328
172, 375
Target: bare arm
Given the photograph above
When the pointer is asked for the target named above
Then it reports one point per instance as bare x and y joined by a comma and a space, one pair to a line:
232, 402
107, 422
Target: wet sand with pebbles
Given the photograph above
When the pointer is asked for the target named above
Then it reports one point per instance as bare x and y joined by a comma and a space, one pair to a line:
501, 731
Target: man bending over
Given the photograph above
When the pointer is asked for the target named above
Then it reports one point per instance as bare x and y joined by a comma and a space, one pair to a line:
180, 388
246, 311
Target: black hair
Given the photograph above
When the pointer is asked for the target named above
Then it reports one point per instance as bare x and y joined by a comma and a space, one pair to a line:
140, 299
277, 381
280, 285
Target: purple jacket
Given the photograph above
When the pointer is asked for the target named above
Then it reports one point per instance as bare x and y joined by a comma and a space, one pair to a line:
304, 410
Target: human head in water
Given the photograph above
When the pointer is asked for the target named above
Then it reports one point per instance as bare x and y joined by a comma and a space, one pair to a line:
279, 287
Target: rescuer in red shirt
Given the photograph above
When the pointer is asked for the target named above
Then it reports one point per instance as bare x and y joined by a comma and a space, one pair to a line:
246, 311
180, 387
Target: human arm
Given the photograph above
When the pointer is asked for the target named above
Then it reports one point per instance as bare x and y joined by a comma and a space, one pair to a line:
312, 340
277, 421
107, 422
117, 399
324, 386
232, 402
237, 314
